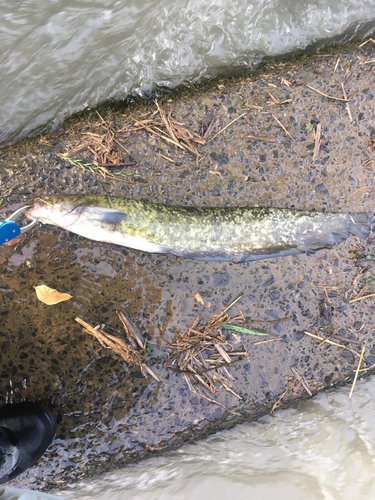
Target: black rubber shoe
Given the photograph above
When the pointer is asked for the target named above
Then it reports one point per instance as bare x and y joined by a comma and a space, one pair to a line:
26, 431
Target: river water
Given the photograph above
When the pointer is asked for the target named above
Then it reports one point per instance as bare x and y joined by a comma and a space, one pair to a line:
61, 56
322, 449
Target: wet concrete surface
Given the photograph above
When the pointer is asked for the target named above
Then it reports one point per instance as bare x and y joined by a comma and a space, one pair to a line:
108, 413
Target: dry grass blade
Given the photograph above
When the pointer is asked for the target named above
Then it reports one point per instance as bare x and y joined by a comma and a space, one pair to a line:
210, 127
361, 298
326, 340
347, 104
326, 95
214, 318
226, 126
282, 126
265, 341
367, 41
166, 122
118, 345
132, 332
357, 370
277, 403
323, 339
171, 131
262, 138
302, 380
317, 140
275, 101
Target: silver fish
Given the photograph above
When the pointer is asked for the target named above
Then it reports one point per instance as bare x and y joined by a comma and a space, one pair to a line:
222, 234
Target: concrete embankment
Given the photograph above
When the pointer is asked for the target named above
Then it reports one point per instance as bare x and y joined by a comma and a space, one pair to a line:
292, 135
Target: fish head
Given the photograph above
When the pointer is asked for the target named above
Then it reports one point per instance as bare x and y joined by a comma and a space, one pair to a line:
58, 212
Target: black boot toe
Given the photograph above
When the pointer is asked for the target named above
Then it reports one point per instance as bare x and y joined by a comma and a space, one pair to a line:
26, 431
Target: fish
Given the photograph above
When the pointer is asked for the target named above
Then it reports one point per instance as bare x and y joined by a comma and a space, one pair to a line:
235, 234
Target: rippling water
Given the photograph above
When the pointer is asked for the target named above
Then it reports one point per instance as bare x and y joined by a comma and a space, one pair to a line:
323, 449
62, 56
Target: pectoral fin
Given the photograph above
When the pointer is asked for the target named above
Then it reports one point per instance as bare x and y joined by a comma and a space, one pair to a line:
107, 215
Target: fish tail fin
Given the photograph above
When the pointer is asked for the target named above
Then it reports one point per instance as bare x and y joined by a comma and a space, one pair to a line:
360, 224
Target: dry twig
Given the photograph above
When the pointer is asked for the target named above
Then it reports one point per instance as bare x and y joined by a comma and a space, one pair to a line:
126, 351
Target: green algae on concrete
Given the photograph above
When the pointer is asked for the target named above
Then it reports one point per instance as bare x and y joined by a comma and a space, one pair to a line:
108, 413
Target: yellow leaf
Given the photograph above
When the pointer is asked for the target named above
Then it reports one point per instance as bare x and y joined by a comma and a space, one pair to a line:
50, 296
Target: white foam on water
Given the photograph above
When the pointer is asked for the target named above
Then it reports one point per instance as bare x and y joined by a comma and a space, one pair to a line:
323, 449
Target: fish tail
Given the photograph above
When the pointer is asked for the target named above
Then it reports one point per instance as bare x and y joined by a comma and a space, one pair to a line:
360, 224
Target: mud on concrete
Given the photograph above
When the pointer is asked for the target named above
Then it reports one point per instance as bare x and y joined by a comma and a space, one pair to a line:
108, 413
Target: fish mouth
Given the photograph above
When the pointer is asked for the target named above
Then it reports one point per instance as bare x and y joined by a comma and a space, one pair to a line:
38, 203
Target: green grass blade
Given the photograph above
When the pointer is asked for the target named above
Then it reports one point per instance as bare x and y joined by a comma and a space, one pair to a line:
244, 330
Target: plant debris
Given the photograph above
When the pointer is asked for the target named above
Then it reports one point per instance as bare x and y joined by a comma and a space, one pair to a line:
168, 129
103, 151
202, 354
117, 344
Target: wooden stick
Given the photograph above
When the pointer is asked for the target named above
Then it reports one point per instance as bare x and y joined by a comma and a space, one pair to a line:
282, 126
325, 95
357, 370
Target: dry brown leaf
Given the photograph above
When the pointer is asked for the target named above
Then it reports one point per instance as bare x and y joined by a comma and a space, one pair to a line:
15, 240
50, 296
